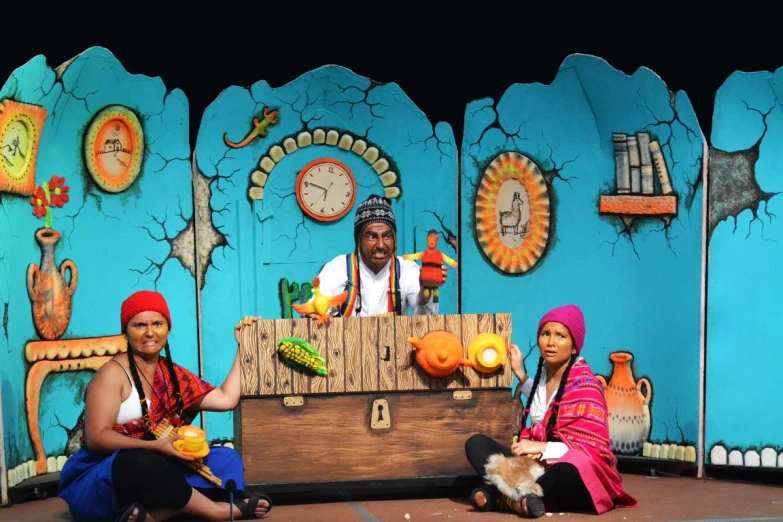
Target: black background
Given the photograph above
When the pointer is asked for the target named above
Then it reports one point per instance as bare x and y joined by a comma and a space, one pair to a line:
443, 59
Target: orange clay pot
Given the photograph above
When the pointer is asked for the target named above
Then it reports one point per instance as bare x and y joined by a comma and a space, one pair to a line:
439, 353
48, 291
629, 409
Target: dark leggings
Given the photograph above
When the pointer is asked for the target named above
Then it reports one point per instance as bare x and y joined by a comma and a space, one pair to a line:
149, 478
563, 488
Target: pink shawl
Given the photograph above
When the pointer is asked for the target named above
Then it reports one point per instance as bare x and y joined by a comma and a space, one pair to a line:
582, 425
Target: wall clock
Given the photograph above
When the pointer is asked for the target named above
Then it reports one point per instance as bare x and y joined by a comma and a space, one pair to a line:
326, 189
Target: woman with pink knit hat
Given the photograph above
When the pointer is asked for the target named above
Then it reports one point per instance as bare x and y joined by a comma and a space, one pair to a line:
568, 434
123, 472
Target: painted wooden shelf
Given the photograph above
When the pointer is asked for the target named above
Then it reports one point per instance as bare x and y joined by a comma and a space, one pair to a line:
633, 205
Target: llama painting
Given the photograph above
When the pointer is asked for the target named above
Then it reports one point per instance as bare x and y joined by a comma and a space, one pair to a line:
512, 213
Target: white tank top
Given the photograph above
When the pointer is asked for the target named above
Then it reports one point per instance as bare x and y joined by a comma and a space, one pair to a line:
130, 409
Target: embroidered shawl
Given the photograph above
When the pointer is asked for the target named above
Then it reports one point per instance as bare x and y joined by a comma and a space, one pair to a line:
582, 425
163, 403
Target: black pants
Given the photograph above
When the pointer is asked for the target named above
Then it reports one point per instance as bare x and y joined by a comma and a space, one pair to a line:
152, 480
563, 488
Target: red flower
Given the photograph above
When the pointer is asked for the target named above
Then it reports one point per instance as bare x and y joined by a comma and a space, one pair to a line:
58, 191
39, 202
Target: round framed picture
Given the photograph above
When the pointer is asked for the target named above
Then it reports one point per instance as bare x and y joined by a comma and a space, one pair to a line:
326, 189
512, 213
113, 148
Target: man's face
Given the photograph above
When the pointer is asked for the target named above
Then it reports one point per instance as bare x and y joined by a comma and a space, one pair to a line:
376, 245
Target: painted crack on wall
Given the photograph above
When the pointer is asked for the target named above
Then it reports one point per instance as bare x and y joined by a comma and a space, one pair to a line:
667, 143
207, 236
733, 186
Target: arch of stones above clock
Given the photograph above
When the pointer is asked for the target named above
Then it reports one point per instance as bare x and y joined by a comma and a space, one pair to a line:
345, 141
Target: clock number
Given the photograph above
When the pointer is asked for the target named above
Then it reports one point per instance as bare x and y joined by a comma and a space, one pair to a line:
331, 170
307, 184
322, 211
347, 194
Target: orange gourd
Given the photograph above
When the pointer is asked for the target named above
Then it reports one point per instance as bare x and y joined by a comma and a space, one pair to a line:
439, 353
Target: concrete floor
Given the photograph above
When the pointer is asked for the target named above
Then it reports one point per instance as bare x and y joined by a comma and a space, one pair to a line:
660, 499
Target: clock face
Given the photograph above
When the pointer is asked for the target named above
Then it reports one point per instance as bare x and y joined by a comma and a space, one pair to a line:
326, 189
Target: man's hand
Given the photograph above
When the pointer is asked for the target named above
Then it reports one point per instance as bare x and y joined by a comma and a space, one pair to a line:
444, 271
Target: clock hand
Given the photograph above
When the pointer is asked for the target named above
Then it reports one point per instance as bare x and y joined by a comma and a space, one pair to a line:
317, 186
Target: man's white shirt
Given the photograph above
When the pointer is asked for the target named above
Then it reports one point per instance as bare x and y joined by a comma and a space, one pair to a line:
375, 287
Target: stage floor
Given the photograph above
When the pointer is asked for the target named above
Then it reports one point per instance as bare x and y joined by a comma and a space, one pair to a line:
660, 499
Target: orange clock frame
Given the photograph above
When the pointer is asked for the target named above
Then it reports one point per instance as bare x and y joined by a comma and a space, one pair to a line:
301, 202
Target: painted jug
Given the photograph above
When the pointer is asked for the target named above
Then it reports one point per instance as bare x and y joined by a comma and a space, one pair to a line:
629, 409
48, 291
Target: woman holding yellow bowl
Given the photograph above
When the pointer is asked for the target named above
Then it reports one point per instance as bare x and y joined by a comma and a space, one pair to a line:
122, 471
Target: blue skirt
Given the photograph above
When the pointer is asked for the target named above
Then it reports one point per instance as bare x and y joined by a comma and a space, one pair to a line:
86, 484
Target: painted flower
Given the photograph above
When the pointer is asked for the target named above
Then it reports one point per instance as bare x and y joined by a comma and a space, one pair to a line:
58, 191
39, 202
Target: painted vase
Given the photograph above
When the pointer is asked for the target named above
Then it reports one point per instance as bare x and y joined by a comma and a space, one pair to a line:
48, 291
629, 409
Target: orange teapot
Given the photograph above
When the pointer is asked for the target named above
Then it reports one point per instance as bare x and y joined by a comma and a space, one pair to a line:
439, 353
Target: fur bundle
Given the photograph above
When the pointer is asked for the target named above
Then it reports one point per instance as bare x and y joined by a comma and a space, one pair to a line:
514, 476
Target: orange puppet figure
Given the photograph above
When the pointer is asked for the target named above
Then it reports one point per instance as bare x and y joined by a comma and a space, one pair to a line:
432, 269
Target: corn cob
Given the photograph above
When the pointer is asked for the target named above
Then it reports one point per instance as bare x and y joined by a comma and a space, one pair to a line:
301, 356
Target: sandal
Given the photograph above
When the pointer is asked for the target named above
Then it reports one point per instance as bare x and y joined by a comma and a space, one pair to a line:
248, 507
141, 516
533, 508
481, 499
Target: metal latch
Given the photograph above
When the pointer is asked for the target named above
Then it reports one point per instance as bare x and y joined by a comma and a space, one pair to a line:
297, 400
462, 395
381, 416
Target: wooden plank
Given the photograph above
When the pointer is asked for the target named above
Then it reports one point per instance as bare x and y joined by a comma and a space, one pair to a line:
301, 329
419, 328
285, 376
486, 324
406, 372
336, 381
250, 381
353, 354
267, 356
503, 329
318, 342
433, 423
387, 360
369, 351
469, 331
453, 324
438, 322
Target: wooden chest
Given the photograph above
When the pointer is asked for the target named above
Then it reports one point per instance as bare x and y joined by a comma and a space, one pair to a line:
376, 415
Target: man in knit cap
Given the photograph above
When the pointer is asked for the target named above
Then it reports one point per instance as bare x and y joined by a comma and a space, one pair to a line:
376, 278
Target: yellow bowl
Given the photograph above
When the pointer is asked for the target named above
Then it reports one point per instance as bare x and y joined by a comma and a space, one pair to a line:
488, 351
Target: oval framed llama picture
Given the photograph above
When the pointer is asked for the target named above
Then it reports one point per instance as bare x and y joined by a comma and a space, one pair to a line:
512, 213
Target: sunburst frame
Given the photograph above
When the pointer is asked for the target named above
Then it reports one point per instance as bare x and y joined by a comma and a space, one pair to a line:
506, 166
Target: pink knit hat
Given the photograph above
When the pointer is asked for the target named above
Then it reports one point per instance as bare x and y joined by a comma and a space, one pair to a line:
571, 316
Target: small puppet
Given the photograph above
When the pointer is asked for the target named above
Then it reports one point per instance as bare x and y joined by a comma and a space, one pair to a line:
432, 261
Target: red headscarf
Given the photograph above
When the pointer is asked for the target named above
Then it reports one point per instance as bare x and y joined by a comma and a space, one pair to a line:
143, 301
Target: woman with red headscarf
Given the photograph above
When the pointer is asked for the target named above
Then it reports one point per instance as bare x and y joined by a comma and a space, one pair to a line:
568, 430
122, 471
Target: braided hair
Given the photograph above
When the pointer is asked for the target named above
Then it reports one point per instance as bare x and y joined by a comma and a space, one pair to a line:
549, 432
148, 435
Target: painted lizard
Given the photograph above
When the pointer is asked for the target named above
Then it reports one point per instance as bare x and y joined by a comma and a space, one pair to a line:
270, 118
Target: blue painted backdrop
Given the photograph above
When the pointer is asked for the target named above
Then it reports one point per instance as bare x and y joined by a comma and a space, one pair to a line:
269, 239
745, 252
119, 243
639, 288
